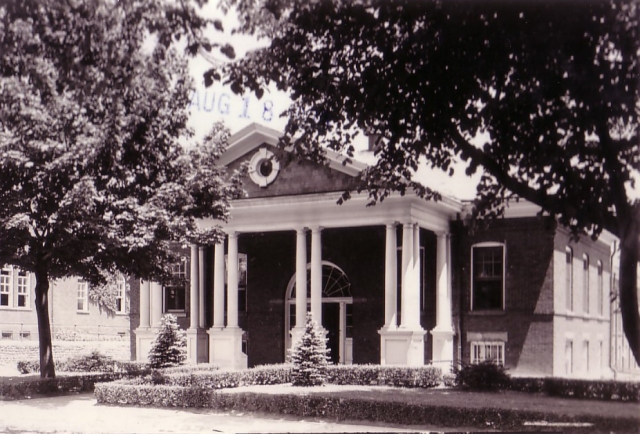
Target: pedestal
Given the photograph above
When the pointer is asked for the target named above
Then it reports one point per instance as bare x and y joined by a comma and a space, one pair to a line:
144, 338
225, 348
443, 349
197, 346
400, 346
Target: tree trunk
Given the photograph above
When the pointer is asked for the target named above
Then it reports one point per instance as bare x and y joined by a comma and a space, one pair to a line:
629, 242
47, 368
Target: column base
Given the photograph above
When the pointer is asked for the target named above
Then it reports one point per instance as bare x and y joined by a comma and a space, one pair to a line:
443, 349
144, 338
225, 348
197, 346
401, 346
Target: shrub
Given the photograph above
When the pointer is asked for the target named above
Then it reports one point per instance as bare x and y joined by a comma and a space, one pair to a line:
397, 376
28, 366
310, 357
170, 345
486, 375
94, 362
575, 388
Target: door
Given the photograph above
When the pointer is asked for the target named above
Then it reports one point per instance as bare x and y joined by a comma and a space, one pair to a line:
331, 323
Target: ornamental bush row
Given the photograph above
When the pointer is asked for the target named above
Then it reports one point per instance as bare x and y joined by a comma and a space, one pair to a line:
573, 388
398, 376
335, 408
62, 385
94, 362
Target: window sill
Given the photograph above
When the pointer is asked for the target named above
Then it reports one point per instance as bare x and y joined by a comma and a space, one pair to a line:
487, 312
180, 314
82, 312
18, 309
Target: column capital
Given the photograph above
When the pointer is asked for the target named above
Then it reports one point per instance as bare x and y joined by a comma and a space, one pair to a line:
391, 224
443, 234
315, 229
232, 234
301, 230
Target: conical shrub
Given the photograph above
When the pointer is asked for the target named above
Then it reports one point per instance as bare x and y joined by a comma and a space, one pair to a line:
169, 348
310, 356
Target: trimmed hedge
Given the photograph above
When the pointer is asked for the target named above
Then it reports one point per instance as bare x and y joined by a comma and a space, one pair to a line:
62, 385
397, 376
573, 388
94, 362
329, 407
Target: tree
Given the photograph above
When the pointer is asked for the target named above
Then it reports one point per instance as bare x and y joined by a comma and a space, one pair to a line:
550, 88
310, 356
93, 120
169, 348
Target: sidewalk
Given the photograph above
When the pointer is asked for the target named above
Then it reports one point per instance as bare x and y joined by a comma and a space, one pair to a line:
81, 414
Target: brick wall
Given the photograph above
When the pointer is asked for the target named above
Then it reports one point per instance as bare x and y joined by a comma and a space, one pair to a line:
526, 322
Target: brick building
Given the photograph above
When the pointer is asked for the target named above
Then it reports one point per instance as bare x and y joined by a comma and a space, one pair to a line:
403, 282
78, 323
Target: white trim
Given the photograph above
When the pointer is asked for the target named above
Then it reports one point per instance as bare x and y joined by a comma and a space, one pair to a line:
504, 271
8, 287
82, 294
263, 155
481, 347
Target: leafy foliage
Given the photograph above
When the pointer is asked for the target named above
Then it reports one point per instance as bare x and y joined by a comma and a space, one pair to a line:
93, 121
486, 375
542, 96
310, 356
105, 296
169, 348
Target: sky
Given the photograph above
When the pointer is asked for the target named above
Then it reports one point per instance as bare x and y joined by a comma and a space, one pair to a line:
219, 103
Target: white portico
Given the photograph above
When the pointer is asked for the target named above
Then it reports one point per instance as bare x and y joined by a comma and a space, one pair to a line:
278, 202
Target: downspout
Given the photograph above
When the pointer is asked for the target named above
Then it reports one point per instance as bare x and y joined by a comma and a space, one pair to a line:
612, 324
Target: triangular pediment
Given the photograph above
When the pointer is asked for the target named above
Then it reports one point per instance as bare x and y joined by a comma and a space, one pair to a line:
255, 144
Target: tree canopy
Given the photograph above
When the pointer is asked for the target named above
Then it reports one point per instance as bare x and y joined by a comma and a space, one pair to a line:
93, 117
552, 87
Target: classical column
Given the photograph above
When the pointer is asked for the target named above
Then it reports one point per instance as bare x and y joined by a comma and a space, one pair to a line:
316, 275
144, 333
443, 332
194, 288
145, 299
232, 281
156, 304
391, 278
407, 285
218, 285
201, 314
301, 277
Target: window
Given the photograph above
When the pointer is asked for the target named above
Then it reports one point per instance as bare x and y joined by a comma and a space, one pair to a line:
83, 297
15, 288
488, 277
242, 280
568, 358
23, 289
585, 350
174, 293
5, 287
569, 278
121, 305
600, 289
585, 282
485, 351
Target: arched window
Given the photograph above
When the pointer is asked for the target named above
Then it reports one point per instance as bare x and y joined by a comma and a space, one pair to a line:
335, 282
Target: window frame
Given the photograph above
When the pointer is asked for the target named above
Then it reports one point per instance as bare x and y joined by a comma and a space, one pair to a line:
489, 244
600, 266
568, 357
84, 296
481, 346
6, 287
586, 301
179, 273
121, 294
569, 278
23, 286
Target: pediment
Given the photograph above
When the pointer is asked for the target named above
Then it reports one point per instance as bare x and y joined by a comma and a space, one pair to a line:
257, 145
